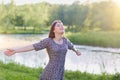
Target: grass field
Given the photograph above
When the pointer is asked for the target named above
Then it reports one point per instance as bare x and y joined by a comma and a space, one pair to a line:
14, 71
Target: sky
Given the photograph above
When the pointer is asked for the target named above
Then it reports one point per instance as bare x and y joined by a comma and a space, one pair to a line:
21, 2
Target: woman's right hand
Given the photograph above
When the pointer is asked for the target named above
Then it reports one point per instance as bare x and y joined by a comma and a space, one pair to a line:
9, 52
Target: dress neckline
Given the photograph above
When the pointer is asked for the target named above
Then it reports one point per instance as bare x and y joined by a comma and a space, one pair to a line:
57, 43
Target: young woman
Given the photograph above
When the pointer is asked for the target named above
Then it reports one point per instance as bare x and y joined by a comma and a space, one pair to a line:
56, 45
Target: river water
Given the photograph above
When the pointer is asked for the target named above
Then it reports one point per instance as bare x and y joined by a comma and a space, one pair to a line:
95, 60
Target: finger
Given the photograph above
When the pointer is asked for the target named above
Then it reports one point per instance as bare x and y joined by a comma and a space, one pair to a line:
10, 50
79, 54
8, 54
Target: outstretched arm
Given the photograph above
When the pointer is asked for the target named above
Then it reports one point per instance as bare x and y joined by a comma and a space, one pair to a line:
10, 52
78, 53
36, 46
71, 46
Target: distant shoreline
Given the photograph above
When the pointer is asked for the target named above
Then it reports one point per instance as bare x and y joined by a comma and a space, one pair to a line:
98, 38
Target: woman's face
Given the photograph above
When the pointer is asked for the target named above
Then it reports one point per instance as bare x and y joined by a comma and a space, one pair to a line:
59, 28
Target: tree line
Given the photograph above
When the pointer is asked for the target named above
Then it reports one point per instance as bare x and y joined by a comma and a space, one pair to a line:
102, 15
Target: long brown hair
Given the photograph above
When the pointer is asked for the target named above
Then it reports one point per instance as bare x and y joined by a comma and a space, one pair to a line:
51, 33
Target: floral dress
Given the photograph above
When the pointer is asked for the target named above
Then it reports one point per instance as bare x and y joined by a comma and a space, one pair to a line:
57, 53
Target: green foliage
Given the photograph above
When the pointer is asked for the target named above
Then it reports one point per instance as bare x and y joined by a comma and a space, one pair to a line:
12, 71
103, 15
77, 17
98, 38
35, 15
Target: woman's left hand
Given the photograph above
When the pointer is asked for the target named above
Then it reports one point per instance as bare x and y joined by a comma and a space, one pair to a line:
78, 53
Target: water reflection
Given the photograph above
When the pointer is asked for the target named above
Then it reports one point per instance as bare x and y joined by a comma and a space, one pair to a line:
93, 59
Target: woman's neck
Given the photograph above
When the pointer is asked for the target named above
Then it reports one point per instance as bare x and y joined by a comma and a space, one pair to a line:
58, 37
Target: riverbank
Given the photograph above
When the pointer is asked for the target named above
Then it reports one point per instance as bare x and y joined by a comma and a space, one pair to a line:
19, 72
21, 30
98, 38
91, 38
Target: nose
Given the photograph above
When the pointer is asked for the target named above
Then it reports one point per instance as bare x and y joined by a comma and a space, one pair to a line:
62, 28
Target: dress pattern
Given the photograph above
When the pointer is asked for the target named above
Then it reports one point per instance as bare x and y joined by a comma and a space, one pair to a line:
57, 53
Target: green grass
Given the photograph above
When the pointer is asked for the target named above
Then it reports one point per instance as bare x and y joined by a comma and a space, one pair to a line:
100, 38
14, 71
41, 30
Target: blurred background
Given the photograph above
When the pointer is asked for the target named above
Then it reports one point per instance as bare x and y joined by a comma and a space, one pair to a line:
34, 16
92, 25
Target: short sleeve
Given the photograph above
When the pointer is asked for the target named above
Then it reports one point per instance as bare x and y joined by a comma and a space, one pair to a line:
70, 44
41, 45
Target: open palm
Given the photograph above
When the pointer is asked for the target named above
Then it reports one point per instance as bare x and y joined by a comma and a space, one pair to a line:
9, 52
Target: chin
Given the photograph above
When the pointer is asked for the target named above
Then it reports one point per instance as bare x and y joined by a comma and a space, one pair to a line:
61, 33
